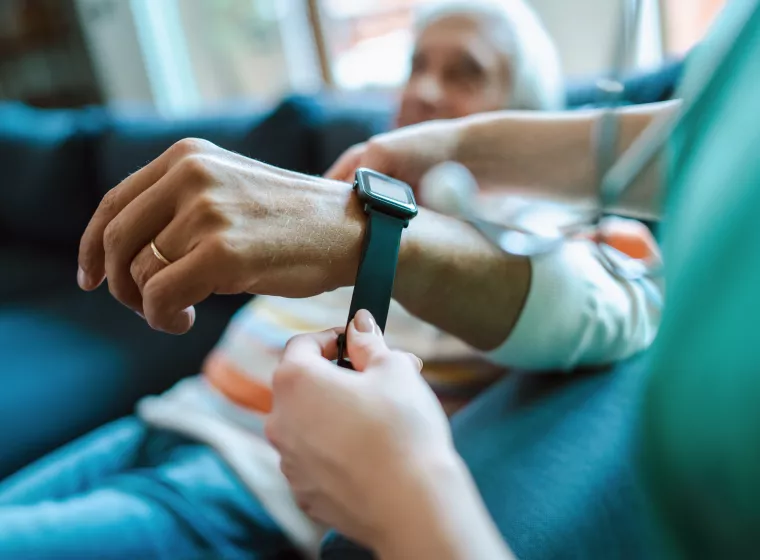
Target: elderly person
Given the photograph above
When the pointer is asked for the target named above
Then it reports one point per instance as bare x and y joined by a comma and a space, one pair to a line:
194, 475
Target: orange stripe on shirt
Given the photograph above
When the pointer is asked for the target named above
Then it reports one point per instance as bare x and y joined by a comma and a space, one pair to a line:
236, 386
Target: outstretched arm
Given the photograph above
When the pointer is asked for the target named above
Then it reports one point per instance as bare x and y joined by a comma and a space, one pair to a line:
552, 154
539, 154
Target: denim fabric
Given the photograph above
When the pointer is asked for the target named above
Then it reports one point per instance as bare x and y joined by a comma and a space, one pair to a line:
128, 492
552, 456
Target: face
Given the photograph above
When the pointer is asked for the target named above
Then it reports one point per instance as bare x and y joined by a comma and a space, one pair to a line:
457, 70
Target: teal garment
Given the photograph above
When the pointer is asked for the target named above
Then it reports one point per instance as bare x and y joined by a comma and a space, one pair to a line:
701, 446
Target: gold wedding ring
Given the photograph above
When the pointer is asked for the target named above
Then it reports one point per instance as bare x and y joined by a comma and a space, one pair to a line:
158, 254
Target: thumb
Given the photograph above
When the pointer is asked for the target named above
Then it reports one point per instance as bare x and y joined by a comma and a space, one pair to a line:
365, 340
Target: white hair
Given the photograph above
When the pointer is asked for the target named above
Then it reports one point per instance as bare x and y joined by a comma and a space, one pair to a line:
535, 67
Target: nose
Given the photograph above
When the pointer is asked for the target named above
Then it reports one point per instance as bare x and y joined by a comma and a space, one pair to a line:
429, 90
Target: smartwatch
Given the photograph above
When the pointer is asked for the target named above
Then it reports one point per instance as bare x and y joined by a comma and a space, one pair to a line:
389, 205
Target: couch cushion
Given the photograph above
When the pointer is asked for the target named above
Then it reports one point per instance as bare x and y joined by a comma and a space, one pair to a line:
72, 361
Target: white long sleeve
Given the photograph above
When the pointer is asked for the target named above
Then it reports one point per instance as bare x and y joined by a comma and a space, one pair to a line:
579, 314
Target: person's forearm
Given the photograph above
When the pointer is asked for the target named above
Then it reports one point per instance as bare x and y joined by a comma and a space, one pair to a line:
552, 154
452, 277
440, 516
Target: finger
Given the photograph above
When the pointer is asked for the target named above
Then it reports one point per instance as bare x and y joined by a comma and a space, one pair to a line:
347, 164
144, 267
178, 238
306, 347
306, 365
91, 250
143, 219
365, 341
170, 294
127, 244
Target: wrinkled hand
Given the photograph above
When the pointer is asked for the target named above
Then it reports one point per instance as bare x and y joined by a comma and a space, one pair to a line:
352, 443
405, 154
227, 224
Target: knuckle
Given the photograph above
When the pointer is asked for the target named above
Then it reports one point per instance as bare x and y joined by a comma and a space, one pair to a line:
295, 340
197, 168
202, 207
139, 271
189, 146
365, 345
378, 144
112, 236
108, 202
384, 358
373, 148
135, 270
357, 150
208, 212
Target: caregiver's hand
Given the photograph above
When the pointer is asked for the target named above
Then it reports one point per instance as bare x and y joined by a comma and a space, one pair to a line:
406, 154
371, 454
227, 224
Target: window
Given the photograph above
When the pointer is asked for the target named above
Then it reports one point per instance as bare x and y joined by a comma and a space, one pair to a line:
201, 54
368, 42
187, 56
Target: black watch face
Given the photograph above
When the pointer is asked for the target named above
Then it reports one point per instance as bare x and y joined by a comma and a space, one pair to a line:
386, 194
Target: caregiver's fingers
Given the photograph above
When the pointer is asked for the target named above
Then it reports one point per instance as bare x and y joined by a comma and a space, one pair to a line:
307, 361
365, 341
303, 348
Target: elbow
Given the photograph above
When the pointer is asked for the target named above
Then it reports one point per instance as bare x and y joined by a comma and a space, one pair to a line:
580, 315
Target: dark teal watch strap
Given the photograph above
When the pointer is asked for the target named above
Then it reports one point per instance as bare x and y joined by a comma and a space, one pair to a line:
373, 288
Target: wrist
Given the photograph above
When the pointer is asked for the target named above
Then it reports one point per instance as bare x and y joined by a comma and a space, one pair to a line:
444, 519
350, 224
425, 489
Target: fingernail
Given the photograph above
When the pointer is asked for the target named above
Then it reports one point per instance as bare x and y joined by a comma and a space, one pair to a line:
364, 322
420, 362
82, 279
185, 319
